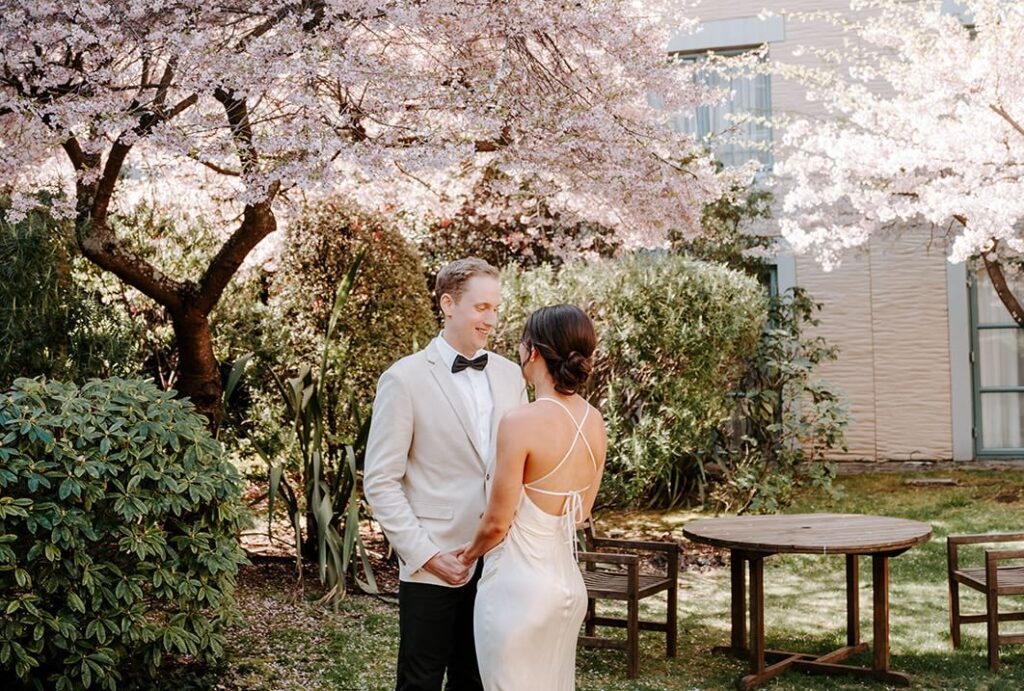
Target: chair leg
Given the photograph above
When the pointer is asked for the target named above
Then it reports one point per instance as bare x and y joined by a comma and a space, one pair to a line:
671, 636
954, 613
992, 620
633, 637
588, 625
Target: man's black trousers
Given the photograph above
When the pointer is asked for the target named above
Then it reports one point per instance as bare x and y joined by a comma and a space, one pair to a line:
435, 625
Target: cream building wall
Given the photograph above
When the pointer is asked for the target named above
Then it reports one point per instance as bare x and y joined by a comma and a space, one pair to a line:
896, 308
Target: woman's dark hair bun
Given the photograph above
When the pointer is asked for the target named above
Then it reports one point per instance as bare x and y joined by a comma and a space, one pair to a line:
573, 371
564, 336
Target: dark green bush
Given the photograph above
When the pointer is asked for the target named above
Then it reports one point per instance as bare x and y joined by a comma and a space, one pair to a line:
387, 315
673, 338
785, 421
118, 532
51, 323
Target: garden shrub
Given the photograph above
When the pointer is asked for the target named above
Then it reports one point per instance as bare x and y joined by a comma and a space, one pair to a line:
673, 338
51, 323
509, 230
786, 420
119, 518
387, 315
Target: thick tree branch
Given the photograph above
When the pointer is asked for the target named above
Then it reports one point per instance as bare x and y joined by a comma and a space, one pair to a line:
995, 273
108, 180
75, 153
99, 243
101, 246
258, 221
165, 84
237, 112
182, 105
994, 269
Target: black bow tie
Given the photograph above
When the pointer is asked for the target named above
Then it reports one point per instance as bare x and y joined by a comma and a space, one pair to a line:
462, 363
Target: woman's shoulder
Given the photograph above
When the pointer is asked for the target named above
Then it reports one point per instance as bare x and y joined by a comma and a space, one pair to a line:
545, 408
525, 413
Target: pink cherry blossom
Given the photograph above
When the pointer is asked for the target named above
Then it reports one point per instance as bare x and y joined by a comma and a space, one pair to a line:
923, 120
235, 110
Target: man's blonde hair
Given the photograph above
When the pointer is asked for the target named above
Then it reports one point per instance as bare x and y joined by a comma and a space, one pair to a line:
452, 277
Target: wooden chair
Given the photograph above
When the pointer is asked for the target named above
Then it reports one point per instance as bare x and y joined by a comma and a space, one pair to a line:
994, 580
615, 575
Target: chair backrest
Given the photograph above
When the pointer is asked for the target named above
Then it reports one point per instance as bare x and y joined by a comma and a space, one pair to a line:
588, 535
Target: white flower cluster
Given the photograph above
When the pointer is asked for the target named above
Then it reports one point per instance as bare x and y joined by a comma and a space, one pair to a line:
924, 120
401, 105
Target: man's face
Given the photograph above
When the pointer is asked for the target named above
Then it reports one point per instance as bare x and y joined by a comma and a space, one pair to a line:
470, 320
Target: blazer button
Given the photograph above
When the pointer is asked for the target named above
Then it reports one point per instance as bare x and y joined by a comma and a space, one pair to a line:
487, 477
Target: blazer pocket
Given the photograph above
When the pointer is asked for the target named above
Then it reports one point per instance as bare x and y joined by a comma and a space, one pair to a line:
441, 512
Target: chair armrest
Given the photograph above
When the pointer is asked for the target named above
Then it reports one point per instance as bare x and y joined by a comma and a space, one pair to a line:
1003, 555
647, 545
954, 541
980, 538
602, 558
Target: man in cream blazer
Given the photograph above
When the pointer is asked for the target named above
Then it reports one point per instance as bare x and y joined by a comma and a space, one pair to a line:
428, 464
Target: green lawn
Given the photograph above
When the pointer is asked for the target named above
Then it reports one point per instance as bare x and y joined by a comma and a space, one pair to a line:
291, 643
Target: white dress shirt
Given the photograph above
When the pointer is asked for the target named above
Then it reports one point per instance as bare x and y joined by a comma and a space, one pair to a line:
475, 390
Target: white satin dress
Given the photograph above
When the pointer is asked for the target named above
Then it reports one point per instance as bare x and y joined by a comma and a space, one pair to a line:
531, 599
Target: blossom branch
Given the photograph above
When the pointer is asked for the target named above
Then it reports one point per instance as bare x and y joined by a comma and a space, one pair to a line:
999, 110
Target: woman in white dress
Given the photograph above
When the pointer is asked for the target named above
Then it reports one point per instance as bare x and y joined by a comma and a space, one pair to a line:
531, 599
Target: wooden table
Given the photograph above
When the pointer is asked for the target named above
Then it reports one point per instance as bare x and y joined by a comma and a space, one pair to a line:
752, 538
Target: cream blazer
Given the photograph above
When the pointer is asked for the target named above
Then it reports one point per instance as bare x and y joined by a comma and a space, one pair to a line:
426, 479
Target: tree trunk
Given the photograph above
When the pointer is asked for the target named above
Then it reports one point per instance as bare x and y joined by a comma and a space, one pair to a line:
998, 278
198, 370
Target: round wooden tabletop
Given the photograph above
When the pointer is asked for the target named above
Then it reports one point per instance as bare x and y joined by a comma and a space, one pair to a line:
811, 533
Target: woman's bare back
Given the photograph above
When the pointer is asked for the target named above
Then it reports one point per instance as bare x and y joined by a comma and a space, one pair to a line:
565, 453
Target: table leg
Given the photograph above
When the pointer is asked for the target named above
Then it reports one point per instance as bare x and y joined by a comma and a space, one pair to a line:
852, 600
756, 614
880, 591
739, 602
880, 617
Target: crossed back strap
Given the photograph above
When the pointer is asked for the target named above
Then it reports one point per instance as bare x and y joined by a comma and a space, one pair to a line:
579, 435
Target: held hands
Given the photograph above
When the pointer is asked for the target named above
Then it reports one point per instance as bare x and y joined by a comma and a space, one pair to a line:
460, 552
449, 567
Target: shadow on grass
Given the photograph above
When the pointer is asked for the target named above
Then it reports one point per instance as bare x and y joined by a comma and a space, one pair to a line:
289, 643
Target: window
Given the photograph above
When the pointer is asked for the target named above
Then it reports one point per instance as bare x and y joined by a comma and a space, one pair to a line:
998, 355
733, 142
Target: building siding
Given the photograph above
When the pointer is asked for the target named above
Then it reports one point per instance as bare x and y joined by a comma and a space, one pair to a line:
885, 306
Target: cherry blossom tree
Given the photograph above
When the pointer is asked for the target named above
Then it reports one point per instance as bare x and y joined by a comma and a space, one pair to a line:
924, 120
237, 109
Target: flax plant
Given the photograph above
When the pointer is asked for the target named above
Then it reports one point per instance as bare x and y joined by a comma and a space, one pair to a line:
329, 468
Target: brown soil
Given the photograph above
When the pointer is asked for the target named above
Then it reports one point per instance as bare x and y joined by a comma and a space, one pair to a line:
278, 550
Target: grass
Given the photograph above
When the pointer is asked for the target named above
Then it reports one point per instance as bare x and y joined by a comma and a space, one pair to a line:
292, 643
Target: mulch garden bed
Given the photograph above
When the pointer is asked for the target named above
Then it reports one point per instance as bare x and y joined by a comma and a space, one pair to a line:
274, 555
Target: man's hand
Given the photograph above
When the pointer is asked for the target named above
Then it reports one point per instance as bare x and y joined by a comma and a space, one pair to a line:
448, 567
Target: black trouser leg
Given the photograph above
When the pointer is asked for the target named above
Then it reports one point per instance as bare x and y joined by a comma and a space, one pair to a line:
463, 671
435, 625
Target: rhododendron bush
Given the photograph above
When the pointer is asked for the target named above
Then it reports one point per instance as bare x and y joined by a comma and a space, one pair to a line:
236, 109
924, 120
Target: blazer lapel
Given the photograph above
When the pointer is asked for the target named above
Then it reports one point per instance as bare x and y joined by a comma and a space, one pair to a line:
501, 404
443, 376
